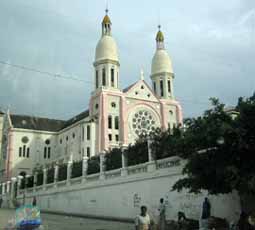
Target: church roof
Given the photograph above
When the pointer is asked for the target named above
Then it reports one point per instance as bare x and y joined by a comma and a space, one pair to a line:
1, 112
76, 118
36, 123
128, 88
44, 124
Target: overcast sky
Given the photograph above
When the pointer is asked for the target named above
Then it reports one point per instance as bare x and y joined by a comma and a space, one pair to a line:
211, 44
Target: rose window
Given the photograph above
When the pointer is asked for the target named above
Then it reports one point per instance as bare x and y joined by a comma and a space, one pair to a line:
143, 122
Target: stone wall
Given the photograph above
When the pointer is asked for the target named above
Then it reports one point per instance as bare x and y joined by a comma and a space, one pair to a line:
120, 193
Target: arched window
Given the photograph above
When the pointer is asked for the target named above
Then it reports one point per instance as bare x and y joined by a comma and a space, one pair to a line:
109, 122
112, 77
96, 79
88, 132
103, 77
154, 86
169, 86
161, 88
28, 152
24, 151
45, 153
116, 122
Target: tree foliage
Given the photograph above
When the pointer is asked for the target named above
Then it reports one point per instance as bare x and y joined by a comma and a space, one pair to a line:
220, 167
113, 159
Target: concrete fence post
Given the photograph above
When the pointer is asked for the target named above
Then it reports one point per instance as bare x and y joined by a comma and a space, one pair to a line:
69, 172
3, 188
13, 182
151, 163
102, 168
84, 167
124, 163
44, 178
8, 187
56, 174
35, 181
18, 184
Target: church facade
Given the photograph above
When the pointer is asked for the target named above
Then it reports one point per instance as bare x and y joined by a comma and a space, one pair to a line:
115, 117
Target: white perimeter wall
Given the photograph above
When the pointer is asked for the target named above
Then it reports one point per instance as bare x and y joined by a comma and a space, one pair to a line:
121, 197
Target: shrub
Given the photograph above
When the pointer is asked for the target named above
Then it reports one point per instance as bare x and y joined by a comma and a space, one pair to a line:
93, 165
77, 169
62, 172
137, 153
113, 159
50, 175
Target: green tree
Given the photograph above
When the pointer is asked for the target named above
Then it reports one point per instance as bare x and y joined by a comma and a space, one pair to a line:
220, 167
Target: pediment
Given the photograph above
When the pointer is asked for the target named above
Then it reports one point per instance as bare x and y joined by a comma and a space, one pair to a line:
141, 90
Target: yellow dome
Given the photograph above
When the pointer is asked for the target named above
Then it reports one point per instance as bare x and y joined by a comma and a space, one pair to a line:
106, 20
160, 36
161, 62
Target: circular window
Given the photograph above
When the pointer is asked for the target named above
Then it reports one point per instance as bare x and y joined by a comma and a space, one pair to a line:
142, 87
25, 139
136, 93
143, 122
47, 142
171, 112
113, 104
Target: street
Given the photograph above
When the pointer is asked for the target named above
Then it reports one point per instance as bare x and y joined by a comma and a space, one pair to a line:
57, 222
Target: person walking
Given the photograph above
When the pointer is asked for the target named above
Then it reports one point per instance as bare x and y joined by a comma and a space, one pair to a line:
1, 201
206, 213
162, 214
34, 201
143, 221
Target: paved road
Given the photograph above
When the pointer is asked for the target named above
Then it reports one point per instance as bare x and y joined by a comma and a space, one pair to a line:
56, 222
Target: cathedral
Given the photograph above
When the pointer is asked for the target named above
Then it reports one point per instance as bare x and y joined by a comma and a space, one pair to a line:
115, 117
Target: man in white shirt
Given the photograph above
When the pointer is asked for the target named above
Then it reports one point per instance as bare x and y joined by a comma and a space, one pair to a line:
142, 221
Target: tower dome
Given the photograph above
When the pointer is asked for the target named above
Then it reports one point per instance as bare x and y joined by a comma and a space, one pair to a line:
161, 62
106, 48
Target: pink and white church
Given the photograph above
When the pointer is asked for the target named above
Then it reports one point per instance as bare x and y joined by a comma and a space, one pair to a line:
115, 117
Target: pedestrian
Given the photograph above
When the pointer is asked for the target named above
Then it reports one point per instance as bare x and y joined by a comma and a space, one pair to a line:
206, 213
1, 201
34, 201
162, 214
143, 221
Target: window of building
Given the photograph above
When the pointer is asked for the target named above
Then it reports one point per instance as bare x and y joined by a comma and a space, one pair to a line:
112, 77
109, 122
169, 86
110, 137
117, 138
73, 135
88, 151
142, 87
88, 132
103, 77
82, 134
66, 138
20, 151
113, 104
154, 86
96, 79
49, 152
96, 106
47, 142
24, 151
28, 152
161, 88
45, 153
116, 122
60, 141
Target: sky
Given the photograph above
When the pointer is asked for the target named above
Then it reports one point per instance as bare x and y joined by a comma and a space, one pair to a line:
211, 44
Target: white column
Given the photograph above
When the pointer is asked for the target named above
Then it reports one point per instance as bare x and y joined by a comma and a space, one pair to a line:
151, 163
124, 163
69, 172
56, 173
84, 167
13, 179
18, 185
35, 181
44, 178
3, 188
102, 174
8, 187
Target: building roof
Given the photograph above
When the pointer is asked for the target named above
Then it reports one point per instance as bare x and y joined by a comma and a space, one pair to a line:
44, 124
36, 123
76, 118
1, 112
128, 88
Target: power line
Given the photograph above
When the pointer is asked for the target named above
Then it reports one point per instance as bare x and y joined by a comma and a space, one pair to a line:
43, 72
